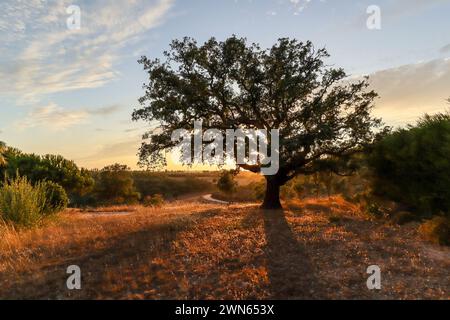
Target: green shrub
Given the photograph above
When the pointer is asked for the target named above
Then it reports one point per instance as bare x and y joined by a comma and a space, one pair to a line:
115, 185
412, 166
156, 200
56, 199
21, 203
437, 230
54, 168
227, 182
170, 185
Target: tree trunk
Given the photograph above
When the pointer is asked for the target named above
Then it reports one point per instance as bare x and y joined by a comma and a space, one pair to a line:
272, 197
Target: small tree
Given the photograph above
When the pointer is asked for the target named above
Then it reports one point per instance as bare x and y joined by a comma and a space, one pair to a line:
227, 182
115, 185
322, 118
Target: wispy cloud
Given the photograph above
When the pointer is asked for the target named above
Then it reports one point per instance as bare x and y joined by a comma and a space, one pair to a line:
299, 5
124, 151
52, 116
57, 118
41, 56
104, 111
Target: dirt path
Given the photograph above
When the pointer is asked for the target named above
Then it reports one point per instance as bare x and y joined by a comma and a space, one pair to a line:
209, 198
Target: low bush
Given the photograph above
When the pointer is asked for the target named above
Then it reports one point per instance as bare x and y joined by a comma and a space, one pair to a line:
411, 166
114, 185
156, 200
21, 203
170, 185
227, 182
56, 199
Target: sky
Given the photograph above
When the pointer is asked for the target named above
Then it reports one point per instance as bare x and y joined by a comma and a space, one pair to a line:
71, 91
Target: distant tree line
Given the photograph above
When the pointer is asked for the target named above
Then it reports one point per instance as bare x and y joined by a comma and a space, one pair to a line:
52, 168
114, 184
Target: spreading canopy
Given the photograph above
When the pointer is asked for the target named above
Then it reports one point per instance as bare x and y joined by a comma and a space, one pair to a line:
321, 116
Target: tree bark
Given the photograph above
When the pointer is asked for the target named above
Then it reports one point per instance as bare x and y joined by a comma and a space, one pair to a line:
272, 197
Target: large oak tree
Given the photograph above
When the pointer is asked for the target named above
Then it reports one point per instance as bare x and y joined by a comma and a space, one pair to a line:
323, 117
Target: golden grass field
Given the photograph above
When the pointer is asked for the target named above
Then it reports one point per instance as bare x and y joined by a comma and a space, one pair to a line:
316, 249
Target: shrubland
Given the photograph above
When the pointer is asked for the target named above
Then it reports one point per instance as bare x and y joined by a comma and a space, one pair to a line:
403, 177
25, 205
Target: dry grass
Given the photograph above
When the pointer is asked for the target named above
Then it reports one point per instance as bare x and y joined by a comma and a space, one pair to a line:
319, 248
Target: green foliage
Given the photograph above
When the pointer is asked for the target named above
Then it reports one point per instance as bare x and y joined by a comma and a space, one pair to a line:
157, 200
437, 230
321, 117
130, 186
21, 203
115, 185
327, 183
170, 185
53, 168
56, 199
226, 182
412, 166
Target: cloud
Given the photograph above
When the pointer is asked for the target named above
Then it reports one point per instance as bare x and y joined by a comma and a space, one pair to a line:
41, 56
301, 5
119, 149
123, 152
131, 130
409, 91
55, 117
104, 111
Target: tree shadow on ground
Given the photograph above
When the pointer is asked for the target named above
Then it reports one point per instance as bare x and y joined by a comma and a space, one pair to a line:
124, 251
291, 273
